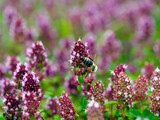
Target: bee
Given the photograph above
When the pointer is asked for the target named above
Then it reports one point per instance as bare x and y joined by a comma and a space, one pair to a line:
89, 63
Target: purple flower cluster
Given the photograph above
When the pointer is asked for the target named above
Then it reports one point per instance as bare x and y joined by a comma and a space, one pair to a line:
79, 51
12, 105
109, 49
46, 32
120, 68
17, 27
2, 71
66, 109
7, 86
144, 28
30, 104
62, 61
19, 73
96, 93
31, 83
148, 70
94, 111
155, 96
140, 88
12, 62
90, 40
9, 13
22, 94
37, 55
87, 85
109, 92
123, 91
37, 58
70, 84
52, 106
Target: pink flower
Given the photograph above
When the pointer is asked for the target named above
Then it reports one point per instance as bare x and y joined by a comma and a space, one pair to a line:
123, 91
30, 103
70, 84
52, 106
9, 14
91, 46
12, 62
144, 28
12, 104
148, 70
7, 86
79, 51
140, 88
94, 111
66, 109
19, 73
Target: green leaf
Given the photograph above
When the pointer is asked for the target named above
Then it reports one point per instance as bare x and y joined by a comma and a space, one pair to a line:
136, 113
76, 115
79, 88
148, 114
117, 113
120, 118
80, 79
93, 83
40, 66
111, 102
84, 102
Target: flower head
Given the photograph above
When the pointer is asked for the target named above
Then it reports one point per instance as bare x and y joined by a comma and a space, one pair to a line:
120, 68
66, 109
7, 86
109, 92
31, 102
17, 29
12, 104
70, 84
66, 42
52, 106
12, 62
90, 40
96, 92
140, 87
31, 83
2, 71
155, 79
94, 111
148, 70
37, 55
155, 102
111, 46
9, 14
79, 51
20, 71
144, 28
123, 91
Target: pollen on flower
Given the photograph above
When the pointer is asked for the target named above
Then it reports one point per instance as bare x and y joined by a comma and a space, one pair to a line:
122, 93
66, 108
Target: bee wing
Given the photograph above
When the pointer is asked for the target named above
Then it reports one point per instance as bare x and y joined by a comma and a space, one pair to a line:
95, 58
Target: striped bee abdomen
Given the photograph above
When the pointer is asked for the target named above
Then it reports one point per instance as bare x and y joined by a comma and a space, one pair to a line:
86, 61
